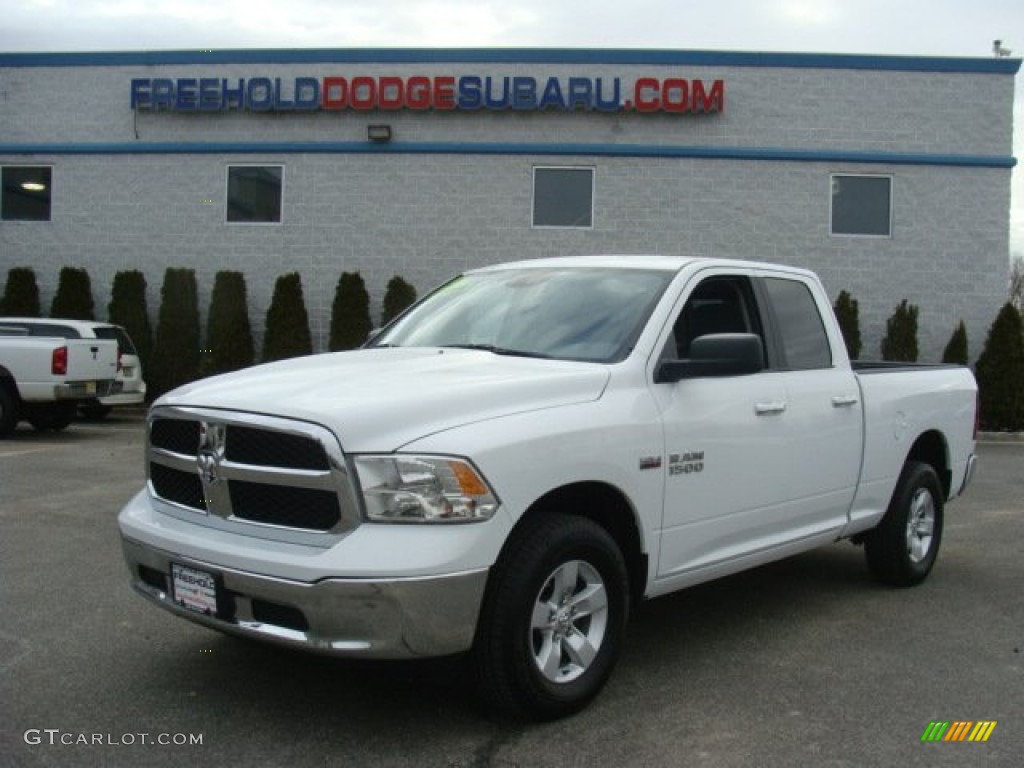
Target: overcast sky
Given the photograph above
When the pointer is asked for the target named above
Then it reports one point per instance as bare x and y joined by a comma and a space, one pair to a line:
903, 27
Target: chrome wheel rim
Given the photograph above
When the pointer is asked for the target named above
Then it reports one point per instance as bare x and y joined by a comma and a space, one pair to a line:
570, 616
920, 525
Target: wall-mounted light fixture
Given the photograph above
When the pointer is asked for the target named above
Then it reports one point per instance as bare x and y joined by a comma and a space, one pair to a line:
378, 133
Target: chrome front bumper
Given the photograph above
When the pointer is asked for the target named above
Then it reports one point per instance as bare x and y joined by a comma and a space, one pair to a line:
385, 619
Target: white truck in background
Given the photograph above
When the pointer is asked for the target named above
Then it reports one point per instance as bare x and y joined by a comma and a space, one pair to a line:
531, 449
43, 379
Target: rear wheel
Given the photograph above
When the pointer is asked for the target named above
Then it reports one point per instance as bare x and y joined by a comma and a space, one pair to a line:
94, 411
902, 549
8, 411
52, 416
553, 619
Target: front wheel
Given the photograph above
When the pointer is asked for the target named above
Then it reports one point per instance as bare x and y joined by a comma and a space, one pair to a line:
902, 549
553, 618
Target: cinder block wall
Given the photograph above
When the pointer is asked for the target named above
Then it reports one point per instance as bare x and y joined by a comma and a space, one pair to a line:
426, 215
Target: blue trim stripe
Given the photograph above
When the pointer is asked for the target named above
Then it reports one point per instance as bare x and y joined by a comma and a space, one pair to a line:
484, 148
993, 65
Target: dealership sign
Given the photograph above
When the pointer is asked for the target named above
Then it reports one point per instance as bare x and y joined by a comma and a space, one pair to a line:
419, 93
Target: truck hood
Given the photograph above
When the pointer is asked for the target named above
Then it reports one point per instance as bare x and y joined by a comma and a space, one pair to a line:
378, 400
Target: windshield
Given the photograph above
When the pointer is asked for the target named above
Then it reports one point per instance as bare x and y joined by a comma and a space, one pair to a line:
566, 313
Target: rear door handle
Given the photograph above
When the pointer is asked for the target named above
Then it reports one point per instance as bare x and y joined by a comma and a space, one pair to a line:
765, 409
844, 401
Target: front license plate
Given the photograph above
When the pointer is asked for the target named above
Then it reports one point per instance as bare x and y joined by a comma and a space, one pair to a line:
194, 589
90, 387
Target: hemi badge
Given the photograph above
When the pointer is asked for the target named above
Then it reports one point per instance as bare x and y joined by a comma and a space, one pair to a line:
650, 462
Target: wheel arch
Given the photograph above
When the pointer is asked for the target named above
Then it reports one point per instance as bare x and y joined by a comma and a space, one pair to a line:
608, 507
931, 448
7, 380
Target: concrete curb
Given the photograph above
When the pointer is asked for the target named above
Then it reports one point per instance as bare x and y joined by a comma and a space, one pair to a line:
1001, 437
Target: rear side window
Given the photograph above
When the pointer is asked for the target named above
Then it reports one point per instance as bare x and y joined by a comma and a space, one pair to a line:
804, 340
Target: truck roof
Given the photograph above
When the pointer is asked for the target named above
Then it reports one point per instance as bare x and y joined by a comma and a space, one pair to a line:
637, 261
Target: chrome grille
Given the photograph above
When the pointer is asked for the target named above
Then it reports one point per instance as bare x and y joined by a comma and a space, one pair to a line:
183, 488
280, 479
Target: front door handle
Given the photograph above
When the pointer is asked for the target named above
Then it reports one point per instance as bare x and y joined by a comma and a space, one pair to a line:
765, 409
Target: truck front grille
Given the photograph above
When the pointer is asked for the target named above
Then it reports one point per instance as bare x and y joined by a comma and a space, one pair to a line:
261, 472
175, 435
183, 488
291, 507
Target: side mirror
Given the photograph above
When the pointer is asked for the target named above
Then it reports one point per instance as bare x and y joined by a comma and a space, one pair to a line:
715, 355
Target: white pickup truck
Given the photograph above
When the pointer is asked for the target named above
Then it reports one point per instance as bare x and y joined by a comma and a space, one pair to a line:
531, 449
43, 378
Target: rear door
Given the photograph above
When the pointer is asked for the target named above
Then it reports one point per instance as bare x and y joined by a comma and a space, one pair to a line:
824, 412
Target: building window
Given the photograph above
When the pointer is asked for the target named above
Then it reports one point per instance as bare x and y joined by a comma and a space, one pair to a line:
862, 205
26, 193
563, 197
254, 193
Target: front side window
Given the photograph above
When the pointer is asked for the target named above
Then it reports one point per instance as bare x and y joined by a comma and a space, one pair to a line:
566, 313
861, 205
563, 197
254, 194
720, 304
804, 340
26, 193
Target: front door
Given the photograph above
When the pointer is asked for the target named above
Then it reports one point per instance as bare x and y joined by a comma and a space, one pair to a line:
726, 441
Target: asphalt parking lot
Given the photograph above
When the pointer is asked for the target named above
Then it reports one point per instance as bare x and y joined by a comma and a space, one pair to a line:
802, 663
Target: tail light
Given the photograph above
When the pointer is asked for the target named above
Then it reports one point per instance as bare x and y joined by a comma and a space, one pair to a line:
59, 362
120, 367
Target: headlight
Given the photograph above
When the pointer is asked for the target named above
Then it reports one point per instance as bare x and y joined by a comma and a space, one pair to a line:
423, 489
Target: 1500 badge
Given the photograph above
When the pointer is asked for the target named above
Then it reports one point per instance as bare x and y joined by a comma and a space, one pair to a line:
686, 463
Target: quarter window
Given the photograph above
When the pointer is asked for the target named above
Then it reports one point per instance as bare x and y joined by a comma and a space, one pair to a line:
804, 340
563, 197
862, 205
26, 193
254, 193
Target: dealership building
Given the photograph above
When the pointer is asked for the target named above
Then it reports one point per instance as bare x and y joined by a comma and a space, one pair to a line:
889, 176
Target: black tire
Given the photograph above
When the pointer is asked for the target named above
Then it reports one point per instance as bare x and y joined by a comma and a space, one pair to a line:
54, 416
902, 549
94, 411
524, 623
8, 410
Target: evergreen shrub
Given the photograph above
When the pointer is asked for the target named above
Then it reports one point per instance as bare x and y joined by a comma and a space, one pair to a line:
128, 309
21, 294
229, 344
398, 295
287, 325
900, 341
1000, 373
956, 349
848, 315
350, 313
73, 299
175, 359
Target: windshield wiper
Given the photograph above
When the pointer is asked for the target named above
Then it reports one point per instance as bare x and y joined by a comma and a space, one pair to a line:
499, 350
